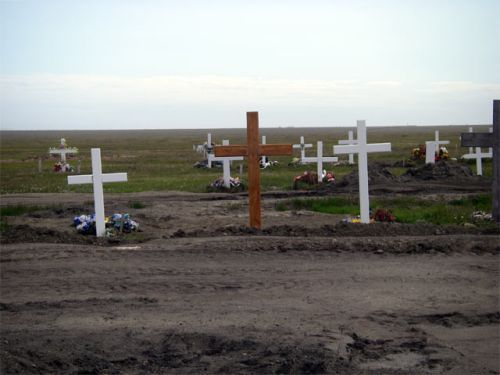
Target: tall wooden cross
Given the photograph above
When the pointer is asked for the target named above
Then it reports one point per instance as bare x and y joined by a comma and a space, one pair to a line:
319, 159
362, 149
493, 141
97, 178
253, 150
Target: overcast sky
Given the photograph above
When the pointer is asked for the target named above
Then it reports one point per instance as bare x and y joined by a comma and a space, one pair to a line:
203, 64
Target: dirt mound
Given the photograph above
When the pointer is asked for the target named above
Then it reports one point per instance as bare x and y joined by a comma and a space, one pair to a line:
38, 234
378, 173
439, 170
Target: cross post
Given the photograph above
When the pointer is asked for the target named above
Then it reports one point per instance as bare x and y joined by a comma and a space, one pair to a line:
349, 141
493, 141
302, 146
362, 149
97, 178
253, 150
319, 159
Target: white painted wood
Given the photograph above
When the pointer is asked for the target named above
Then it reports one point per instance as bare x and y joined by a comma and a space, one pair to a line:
263, 157
478, 155
362, 149
349, 141
97, 178
319, 159
226, 164
302, 146
209, 151
63, 150
429, 156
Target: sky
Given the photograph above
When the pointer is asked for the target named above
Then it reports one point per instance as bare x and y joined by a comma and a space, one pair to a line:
123, 64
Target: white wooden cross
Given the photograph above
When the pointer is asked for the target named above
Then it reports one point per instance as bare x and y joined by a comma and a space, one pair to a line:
430, 146
319, 159
226, 163
209, 150
478, 155
97, 178
362, 149
471, 149
349, 141
302, 146
263, 158
62, 150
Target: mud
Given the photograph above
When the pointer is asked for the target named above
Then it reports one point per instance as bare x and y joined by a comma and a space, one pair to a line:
196, 291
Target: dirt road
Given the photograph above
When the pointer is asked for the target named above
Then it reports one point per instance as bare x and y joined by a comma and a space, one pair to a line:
197, 293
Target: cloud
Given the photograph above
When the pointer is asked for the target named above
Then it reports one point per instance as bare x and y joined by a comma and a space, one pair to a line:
203, 89
102, 101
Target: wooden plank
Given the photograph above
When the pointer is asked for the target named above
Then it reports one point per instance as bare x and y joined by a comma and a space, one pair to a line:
496, 161
476, 140
276, 149
253, 169
232, 150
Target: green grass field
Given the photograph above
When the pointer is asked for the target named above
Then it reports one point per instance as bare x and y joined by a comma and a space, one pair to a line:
161, 160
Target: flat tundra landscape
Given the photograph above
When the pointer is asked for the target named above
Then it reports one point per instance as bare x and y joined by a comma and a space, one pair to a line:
195, 291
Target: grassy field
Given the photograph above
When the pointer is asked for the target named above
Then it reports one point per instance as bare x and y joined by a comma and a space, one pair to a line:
161, 160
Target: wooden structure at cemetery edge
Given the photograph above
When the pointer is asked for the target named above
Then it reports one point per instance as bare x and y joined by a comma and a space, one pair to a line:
489, 140
253, 150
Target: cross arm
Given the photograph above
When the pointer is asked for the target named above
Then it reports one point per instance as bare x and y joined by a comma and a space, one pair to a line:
114, 177
232, 150
81, 179
476, 140
275, 149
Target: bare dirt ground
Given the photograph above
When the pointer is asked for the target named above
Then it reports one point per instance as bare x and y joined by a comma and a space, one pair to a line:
197, 292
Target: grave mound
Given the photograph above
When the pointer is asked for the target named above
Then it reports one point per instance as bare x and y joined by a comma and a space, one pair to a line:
378, 173
439, 170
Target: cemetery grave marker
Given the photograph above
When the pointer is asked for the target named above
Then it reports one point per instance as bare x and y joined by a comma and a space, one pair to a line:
63, 150
302, 146
430, 146
478, 155
319, 159
362, 149
226, 164
349, 141
253, 150
208, 149
97, 178
489, 140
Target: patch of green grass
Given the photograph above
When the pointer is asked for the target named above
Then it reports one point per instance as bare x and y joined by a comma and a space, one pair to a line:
17, 210
406, 210
162, 160
341, 206
137, 205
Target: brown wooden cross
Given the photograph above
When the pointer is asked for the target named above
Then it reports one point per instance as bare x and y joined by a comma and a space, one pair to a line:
489, 140
253, 150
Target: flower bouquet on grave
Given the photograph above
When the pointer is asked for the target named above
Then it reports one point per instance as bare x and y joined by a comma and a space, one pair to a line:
235, 185
382, 215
